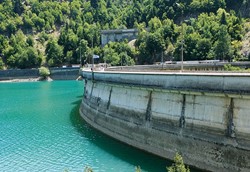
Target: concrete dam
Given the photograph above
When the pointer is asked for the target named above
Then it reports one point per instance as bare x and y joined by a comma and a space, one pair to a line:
203, 116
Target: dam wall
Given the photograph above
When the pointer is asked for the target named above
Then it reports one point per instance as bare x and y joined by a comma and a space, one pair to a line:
204, 117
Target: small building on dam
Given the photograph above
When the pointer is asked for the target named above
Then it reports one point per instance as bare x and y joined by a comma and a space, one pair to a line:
205, 116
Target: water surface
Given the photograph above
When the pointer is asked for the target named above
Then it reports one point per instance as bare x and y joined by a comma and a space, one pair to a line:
41, 130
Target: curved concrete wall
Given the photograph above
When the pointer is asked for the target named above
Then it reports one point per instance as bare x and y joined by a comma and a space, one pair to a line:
204, 117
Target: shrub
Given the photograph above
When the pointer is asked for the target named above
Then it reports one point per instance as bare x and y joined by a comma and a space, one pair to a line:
44, 72
88, 169
229, 67
178, 165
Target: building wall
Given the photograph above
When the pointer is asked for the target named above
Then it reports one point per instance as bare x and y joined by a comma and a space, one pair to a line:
204, 117
118, 35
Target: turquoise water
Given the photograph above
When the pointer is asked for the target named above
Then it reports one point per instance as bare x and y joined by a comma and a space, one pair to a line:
41, 130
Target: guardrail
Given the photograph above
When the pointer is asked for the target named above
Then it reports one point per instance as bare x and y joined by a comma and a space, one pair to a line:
187, 65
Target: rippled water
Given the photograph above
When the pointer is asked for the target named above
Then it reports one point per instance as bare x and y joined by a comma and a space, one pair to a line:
41, 130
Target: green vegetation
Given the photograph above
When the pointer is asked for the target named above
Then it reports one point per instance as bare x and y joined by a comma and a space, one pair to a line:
44, 72
36, 33
1, 64
138, 169
178, 165
88, 169
229, 67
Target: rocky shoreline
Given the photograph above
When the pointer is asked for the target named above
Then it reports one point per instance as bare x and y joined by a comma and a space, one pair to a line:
26, 80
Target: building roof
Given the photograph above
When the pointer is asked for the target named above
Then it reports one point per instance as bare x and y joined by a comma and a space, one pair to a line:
117, 31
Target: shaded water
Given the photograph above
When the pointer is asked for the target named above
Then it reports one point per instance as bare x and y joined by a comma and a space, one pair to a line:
41, 130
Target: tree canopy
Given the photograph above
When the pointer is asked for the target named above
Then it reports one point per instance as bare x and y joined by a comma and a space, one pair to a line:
35, 33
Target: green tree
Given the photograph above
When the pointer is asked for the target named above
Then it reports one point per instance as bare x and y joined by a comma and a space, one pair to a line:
154, 45
222, 47
18, 6
154, 24
11, 27
76, 20
28, 58
126, 60
203, 48
94, 3
207, 5
30, 41
3, 43
83, 50
54, 53
42, 37
178, 165
169, 30
110, 56
71, 41
1, 64
27, 23
38, 22
16, 52
223, 19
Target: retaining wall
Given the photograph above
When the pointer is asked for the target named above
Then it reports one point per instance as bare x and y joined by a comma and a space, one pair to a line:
64, 73
56, 73
205, 117
18, 74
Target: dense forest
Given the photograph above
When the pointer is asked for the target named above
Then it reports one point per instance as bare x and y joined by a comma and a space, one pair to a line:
36, 33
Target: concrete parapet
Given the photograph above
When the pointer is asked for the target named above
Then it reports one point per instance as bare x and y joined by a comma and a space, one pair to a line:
204, 117
209, 82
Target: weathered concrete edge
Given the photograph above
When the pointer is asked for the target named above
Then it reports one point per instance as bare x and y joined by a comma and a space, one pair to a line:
101, 123
207, 82
100, 120
120, 137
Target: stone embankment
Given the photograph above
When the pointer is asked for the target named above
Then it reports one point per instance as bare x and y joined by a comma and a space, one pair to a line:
25, 75
205, 117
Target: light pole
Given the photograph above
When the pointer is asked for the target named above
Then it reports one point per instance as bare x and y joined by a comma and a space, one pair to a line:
92, 68
162, 59
182, 44
92, 52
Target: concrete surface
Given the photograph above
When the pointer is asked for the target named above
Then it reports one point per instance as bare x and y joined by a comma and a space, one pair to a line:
205, 117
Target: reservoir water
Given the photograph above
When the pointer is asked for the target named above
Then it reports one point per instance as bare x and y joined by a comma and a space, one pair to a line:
41, 130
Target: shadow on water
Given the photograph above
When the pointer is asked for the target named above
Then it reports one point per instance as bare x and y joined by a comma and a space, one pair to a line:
146, 161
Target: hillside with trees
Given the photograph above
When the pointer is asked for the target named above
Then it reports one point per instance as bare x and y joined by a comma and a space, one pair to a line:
36, 33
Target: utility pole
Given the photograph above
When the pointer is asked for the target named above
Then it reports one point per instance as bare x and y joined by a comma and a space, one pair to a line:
92, 68
182, 42
92, 53
162, 59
